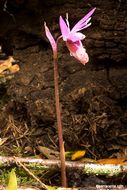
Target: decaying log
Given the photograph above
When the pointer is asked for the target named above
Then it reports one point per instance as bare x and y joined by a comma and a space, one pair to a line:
87, 168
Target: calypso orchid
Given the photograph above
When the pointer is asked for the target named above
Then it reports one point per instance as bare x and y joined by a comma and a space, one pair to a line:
73, 37
57, 103
73, 41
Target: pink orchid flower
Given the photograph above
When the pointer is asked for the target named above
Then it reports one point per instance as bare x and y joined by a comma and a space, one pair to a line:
51, 40
73, 37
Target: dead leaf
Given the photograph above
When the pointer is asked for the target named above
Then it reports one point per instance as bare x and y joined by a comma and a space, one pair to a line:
121, 151
14, 68
48, 153
78, 154
75, 155
7, 65
113, 161
88, 160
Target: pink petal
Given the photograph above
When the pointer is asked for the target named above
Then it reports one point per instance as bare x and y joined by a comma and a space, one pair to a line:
83, 27
83, 23
50, 38
64, 28
76, 36
78, 51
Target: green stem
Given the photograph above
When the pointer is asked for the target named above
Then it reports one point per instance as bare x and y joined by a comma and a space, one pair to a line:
59, 124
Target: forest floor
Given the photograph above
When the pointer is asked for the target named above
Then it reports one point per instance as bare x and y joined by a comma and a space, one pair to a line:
93, 104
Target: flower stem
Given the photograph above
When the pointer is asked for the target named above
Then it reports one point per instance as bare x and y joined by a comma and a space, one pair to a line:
59, 124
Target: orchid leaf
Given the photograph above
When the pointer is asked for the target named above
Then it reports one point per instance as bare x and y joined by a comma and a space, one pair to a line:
50, 187
12, 184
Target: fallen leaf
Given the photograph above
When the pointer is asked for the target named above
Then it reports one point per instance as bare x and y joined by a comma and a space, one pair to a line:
78, 154
113, 161
48, 153
14, 68
75, 155
7, 65
88, 160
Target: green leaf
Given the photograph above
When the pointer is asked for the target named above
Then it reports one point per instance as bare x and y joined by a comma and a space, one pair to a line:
12, 184
50, 187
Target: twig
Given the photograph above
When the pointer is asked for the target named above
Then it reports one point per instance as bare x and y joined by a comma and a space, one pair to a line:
88, 168
30, 173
